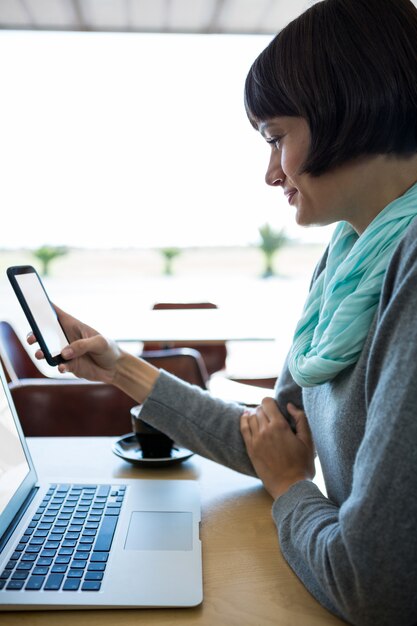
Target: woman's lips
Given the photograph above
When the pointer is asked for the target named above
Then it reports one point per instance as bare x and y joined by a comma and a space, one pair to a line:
290, 195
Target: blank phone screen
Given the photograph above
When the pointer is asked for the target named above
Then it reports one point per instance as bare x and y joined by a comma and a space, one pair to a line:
42, 311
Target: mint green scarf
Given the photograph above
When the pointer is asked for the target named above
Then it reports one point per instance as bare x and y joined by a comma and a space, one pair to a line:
343, 300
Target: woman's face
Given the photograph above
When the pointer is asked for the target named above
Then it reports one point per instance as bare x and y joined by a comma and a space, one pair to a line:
318, 200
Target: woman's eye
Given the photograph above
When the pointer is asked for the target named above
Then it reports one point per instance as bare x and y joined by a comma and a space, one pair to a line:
275, 142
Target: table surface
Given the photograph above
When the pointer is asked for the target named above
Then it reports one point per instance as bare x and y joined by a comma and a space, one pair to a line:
246, 580
191, 325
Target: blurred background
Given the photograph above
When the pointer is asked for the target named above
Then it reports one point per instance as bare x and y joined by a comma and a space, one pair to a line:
130, 173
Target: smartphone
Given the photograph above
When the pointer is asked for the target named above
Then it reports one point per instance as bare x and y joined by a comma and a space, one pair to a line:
39, 311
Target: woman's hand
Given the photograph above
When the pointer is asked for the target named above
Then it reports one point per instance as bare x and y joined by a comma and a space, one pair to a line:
280, 457
89, 355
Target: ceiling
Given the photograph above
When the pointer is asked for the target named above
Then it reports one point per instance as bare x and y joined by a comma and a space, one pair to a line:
161, 16
167, 16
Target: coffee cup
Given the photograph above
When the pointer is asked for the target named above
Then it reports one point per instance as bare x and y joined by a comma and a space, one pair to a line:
153, 443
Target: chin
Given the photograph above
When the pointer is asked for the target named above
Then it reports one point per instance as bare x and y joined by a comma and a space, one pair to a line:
307, 219
302, 220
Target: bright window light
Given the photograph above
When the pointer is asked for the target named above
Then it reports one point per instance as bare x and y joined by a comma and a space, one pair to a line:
119, 140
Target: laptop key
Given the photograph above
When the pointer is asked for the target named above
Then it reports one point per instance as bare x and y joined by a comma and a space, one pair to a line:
96, 567
83, 547
75, 573
85, 541
40, 571
54, 582
71, 584
15, 585
81, 556
91, 585
93, 576
99, 557
114, 512
2, 583
35, 583
20, 575
25, 565
103, 491
105, 534
63, 560
93, 525
48, 553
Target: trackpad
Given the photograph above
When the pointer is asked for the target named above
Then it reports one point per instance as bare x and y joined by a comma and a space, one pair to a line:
160, 530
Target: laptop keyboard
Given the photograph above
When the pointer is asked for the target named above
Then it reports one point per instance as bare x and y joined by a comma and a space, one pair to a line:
67, 543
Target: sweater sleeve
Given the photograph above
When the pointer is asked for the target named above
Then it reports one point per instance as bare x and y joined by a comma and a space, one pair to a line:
360, 559
194, 419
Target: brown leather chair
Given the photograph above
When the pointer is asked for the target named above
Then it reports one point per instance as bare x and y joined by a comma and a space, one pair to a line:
72, 407
186, 363
54, 407
60, 406
214, 356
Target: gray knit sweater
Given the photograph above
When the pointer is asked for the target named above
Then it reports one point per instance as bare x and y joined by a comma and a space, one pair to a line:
356, 549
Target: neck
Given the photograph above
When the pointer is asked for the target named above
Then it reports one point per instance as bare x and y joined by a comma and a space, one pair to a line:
380, 180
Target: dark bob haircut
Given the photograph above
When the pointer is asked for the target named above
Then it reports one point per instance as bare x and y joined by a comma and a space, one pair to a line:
349, 67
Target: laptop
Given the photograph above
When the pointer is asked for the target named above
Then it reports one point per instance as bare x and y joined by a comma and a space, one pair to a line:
115, 544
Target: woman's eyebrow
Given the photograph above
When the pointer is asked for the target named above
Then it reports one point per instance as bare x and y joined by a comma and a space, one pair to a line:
271, 129
263, 128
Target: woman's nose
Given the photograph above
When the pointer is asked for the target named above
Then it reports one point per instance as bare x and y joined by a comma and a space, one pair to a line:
274, 175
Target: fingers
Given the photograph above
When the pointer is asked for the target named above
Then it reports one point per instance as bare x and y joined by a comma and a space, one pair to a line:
273, 414
254, 424
94, 345
31, 339
301, 424
249, 423
267, 414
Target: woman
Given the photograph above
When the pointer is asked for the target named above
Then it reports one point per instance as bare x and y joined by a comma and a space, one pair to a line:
335, 96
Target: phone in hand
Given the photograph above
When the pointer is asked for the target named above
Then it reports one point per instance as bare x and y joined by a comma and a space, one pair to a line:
39, 311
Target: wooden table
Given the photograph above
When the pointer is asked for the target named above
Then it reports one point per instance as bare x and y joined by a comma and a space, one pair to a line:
246, 580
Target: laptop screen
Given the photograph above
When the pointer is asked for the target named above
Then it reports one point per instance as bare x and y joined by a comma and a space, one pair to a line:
14, 467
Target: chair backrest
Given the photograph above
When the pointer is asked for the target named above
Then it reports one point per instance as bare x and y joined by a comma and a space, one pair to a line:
71, 408
159, 306
214, 356
74, 408
185, 363
15, 358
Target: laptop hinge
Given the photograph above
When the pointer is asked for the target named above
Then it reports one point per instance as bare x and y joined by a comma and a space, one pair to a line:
13, 524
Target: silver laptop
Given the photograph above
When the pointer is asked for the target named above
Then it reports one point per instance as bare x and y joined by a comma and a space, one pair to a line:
65, 545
